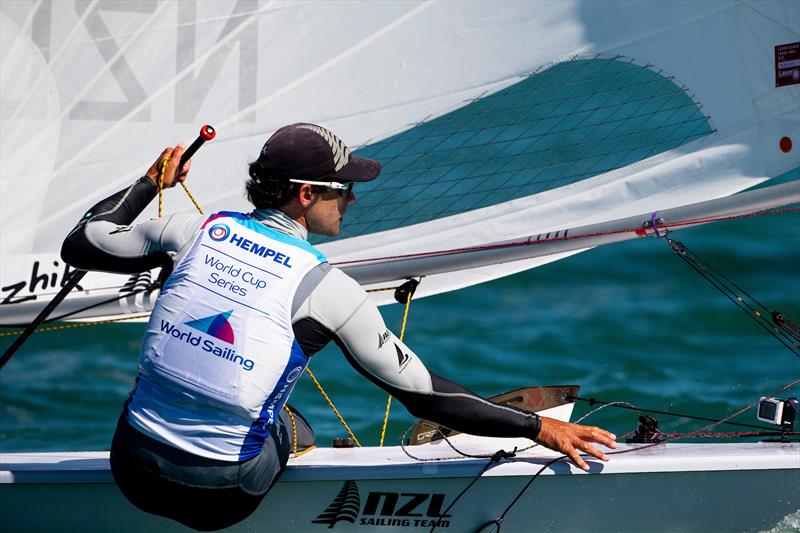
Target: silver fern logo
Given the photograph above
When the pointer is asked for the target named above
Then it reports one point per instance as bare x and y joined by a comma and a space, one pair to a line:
344, 507
341, 153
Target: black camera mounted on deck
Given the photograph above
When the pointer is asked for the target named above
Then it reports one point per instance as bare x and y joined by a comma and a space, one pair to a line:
779, 412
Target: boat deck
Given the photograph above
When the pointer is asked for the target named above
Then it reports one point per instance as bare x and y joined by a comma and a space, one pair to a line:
439, 460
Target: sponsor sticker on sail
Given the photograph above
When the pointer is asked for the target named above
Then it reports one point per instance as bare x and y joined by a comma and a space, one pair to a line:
787, 64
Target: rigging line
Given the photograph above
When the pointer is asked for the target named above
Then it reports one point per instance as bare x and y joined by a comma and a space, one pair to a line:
330, 402
389, 397
147, 287
86, 308
728, 434
707, 266
73, 281
786, 325
770, 329
498, 521
740, 303
327, 64
603, 405
80, 324
405, 442
294, 435
124, 120
730, 293
496, 458
717, 423
77, 275
529, 242
624, 405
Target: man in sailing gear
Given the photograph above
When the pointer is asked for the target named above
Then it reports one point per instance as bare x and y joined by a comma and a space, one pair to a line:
249, 302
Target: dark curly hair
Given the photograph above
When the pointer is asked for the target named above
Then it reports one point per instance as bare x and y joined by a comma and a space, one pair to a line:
265, 190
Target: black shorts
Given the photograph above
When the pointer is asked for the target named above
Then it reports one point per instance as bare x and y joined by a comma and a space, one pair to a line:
201, 493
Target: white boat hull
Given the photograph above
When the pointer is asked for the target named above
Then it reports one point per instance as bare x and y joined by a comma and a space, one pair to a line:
671, 487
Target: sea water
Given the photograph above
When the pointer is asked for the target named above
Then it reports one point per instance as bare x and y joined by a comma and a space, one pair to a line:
628, 322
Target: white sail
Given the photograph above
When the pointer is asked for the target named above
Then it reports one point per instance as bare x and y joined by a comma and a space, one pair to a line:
485, 115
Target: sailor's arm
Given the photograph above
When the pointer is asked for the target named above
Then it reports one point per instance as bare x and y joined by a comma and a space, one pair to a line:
104, 240
338, 307
341, 306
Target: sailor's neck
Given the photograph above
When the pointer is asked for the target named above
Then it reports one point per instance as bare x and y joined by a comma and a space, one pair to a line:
278, 220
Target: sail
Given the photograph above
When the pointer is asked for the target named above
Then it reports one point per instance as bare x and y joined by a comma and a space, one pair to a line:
494, 122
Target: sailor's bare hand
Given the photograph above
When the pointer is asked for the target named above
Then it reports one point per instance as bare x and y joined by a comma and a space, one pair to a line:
172, 155
574, 439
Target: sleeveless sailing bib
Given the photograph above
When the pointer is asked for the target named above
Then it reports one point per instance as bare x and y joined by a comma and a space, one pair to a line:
219, 358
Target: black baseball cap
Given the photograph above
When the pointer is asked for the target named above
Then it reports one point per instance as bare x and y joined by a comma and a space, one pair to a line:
311, 152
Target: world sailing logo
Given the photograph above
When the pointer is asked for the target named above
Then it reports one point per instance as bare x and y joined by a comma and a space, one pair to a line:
219, 232
215, 325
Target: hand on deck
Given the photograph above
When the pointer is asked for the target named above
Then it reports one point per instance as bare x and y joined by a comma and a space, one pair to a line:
574, 439
171, 176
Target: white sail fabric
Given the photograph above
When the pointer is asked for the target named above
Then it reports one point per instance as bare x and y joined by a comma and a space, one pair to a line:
93, 90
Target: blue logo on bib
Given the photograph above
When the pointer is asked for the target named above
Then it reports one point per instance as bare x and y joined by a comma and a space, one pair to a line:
219, 232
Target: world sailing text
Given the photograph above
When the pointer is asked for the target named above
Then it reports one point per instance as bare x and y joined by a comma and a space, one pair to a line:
207, 345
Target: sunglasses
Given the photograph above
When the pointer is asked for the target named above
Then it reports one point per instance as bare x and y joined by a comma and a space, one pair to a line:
345, 189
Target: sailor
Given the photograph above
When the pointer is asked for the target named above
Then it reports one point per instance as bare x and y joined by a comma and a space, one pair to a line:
248, 303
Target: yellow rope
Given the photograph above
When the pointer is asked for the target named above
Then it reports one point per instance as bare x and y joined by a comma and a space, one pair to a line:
161, 190
389, 398
335, 410
185, 188
78, 324
294, 429
161, 187
294, 435
311, 375
160, 214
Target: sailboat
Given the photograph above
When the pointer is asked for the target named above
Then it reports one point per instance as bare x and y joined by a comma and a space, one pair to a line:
511, 135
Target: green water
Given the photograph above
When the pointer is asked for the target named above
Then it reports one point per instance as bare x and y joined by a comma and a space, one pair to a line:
627, 322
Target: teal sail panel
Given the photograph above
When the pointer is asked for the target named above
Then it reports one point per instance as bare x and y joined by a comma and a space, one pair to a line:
560, 125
